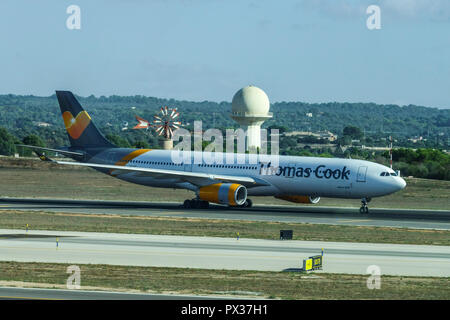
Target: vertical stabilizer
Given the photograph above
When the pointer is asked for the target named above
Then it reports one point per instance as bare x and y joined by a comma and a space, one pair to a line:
80, 128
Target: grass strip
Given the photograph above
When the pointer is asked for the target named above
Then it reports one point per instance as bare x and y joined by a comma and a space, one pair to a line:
278, 285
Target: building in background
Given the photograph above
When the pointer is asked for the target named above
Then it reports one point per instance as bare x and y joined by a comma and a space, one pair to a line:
250, 108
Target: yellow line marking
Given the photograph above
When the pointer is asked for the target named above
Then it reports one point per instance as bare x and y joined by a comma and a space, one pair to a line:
355, 220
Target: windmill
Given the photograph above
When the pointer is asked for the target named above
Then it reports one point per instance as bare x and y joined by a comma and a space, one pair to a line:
165, 123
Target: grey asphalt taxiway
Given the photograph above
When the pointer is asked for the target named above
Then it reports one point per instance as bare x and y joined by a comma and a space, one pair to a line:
15, 293
219, 253
397, 218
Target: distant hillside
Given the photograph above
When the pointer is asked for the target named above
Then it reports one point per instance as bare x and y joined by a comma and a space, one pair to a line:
20, 114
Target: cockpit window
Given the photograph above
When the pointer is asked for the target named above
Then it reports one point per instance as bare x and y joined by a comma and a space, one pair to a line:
387, 174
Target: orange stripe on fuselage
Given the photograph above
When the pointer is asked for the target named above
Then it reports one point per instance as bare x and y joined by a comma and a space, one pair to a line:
129, 157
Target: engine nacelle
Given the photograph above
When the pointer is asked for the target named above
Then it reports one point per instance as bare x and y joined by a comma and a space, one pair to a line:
232, 194
300, 199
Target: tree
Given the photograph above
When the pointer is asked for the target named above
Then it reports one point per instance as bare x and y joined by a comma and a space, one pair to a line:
32, 140
305, 153
118, 141
310, 139
353, 132
141, 144
281, 129
422, 163
326, 155
7, 140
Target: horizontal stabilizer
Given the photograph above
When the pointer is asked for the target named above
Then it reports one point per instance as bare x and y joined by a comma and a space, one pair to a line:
63, 152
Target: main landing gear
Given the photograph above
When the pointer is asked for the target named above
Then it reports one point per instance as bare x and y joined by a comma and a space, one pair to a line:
201, 204
195, 204
247, 204
364, 208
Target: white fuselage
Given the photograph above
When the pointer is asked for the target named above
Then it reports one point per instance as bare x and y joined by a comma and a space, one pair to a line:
311, 176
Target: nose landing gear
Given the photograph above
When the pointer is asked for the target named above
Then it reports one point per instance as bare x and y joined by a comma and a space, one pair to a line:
364, 208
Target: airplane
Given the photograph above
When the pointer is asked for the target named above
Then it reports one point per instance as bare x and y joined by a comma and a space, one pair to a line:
294, 179
143, 124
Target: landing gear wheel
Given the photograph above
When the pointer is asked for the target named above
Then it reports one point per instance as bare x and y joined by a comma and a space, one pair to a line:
364, 208
195, 204
187, 204
204, 204
247, 204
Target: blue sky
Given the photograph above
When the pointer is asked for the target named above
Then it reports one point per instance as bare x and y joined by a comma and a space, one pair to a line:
300, 50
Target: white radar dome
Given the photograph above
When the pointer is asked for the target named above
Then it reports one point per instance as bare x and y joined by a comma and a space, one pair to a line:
251, 101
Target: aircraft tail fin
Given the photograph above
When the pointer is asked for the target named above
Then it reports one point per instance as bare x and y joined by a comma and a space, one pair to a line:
80, 128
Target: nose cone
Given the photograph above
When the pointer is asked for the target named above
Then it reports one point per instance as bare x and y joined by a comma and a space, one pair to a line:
393, 184
401, 183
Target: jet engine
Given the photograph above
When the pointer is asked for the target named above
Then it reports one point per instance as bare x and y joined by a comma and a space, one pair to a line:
232, 194
300, 199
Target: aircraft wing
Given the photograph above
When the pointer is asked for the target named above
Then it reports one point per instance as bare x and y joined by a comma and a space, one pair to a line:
196, 178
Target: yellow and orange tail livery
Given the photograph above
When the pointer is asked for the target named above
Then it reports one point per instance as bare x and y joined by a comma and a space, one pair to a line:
75, 126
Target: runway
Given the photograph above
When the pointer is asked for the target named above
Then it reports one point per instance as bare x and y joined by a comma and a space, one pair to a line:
397, 218
14, 293
219, 253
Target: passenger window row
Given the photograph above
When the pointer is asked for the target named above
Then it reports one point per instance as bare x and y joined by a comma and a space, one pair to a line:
227, 166
156, 162
200, 165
